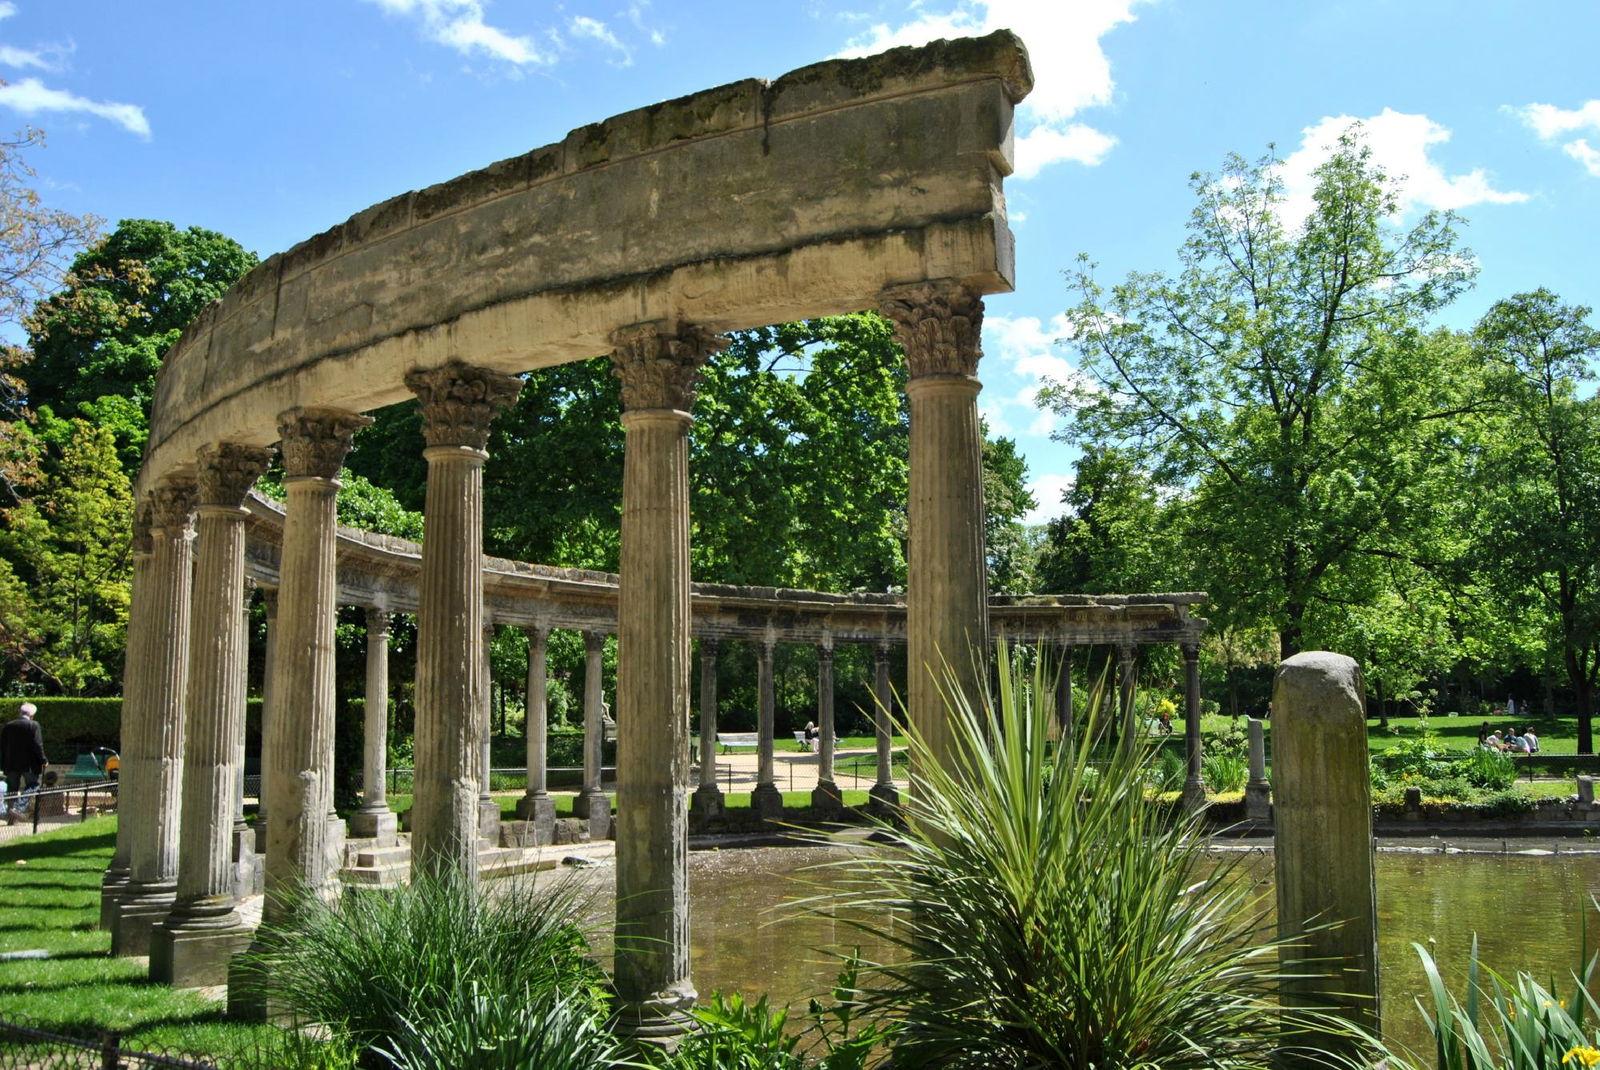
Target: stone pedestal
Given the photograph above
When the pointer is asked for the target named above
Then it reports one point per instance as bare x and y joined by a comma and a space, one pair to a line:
193, 946
658, 367
375, 821
458, 403
157, 765
947, 605
1257, 791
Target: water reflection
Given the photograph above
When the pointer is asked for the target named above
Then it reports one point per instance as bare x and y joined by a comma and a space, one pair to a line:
1526, 913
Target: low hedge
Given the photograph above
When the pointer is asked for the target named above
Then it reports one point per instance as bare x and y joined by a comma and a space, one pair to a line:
75, 725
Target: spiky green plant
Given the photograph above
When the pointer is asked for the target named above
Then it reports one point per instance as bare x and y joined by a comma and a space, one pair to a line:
1038, 923
439, 966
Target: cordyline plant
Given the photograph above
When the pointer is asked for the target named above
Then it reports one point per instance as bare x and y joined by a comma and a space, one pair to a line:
1043, 912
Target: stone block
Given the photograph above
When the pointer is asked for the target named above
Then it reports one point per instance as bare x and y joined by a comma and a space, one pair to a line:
567, 830
883, 799
137, 916
1585, 792
706, 804
599, 825
540, 812
827, 800
767, 802
194, 957
489, 820
1258, 802
381, 825
1413, 804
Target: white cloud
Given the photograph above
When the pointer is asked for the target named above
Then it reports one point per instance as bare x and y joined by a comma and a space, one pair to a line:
7, 9
636, 16
1025, 350
1047, 491
1071, 70
23, 58
461, 25
31, 97
595, 30
1550, 123
1400, 144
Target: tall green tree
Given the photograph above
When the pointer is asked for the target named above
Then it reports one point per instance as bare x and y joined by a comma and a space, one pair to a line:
1117, 535
1284, 377
1539, 485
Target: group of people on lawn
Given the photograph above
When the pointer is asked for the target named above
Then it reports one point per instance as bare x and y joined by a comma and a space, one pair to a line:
1510, 742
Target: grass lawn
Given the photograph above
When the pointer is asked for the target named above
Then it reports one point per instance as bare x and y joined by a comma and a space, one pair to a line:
50, 888
738, 800
1557, 735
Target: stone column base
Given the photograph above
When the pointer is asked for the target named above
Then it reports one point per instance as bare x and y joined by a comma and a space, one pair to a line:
1194, 796
195, 957
138, 913
381, 825
489, 820
826, 799
112, 889
1258, 803
707, 803
661, 1020
587, 800
767, 802
599, 823
259, 827
539, 811
883, 798
246, 1001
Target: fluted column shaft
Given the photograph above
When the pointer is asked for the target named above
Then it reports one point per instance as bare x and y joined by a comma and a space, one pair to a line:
375, 719
825, 737
766, 715
1064, 716
883, 726
303, 844
1127, 679
240, 826
536, 726
708, 714
458, 403
946, 577
134, 675
214, 729
659, 368
1194, 789
594, 726
269, 661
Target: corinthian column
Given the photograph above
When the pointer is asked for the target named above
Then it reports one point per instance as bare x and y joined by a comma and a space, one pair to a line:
536, 806
766, 800
591, 802
157, 761
706, 803
375, 820
825, 797
659, 368
884, 794
135, 676
488, 809
946, 583
269, 661
458, 403
193, 946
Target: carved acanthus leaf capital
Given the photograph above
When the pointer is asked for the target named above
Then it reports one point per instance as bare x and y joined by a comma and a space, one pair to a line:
172, 504
459, 402
315, 441
659, 365
227, 471
824, 655
141, 527
377, 622
939, 325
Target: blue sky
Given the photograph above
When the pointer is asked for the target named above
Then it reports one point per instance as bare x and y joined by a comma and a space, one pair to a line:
272, 121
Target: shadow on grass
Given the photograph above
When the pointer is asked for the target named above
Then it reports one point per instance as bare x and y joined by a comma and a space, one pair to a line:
32, 849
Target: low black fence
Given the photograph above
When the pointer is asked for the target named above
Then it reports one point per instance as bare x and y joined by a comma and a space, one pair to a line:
81, 800
28, 1046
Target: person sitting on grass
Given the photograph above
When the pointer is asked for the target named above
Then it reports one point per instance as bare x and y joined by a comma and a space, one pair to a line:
1494, 742
1518, 745
1484, 732
1531, 739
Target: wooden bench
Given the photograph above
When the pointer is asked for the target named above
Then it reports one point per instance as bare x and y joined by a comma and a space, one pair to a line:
727, 741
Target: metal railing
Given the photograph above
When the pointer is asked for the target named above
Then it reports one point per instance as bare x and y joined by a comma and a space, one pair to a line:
29, 1046
33, 798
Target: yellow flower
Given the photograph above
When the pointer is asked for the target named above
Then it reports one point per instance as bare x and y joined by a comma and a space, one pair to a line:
1585, 1057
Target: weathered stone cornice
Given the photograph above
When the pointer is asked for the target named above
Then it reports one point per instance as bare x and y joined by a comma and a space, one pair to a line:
660, 366
315, 441
226, 471
460, 401
939, 325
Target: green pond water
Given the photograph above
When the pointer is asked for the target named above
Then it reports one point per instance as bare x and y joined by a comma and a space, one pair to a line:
1525, 911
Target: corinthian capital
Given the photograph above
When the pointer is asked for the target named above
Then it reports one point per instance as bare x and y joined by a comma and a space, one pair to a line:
315, 441
659, 365
228, 470
459, 401
938, 324
172, 504
141, 527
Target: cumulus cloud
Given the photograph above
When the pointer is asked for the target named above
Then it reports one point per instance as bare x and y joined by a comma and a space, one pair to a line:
1021, 355
1401, 144
32, 97
1551, 124
1071, 69
595, 30
44, 59
1047, 491
462, 25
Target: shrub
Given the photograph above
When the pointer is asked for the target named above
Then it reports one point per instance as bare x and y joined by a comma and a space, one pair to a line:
1044, 925
1489, 769
1168, 773
1224, 772
72, 725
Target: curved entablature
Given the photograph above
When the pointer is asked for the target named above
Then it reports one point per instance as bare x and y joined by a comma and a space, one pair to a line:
740, 206
384, 572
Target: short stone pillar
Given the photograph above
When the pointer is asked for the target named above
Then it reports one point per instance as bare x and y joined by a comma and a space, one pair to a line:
706, 803
488, 809
1127, 684
947, 602
536, 806
592, 802
826, 798
374, 820
1412, 803
193, 946
136, 674
157, 765
1065, 726
659, 367
269, 661
766, 800
884, 796
1586, 792
1194, 785
1257, 790
458, 403
1327, 905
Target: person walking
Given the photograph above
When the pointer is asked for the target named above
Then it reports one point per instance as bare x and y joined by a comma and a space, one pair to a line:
22, 759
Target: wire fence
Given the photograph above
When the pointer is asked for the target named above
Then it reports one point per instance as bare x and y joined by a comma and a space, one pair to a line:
28, 1046
81, 799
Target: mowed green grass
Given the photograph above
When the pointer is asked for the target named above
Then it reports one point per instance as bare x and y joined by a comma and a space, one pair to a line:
50, 901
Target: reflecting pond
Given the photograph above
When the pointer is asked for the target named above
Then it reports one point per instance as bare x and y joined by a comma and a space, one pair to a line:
1525, 911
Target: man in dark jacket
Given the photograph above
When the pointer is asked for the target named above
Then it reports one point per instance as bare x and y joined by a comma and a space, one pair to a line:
21, 758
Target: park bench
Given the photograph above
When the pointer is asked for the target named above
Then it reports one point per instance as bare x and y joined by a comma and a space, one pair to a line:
730, 740
800, 738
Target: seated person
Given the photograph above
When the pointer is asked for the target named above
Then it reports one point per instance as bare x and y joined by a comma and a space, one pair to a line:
1518, 745
1532, 740
813, 736
1493, 741
1483, 733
